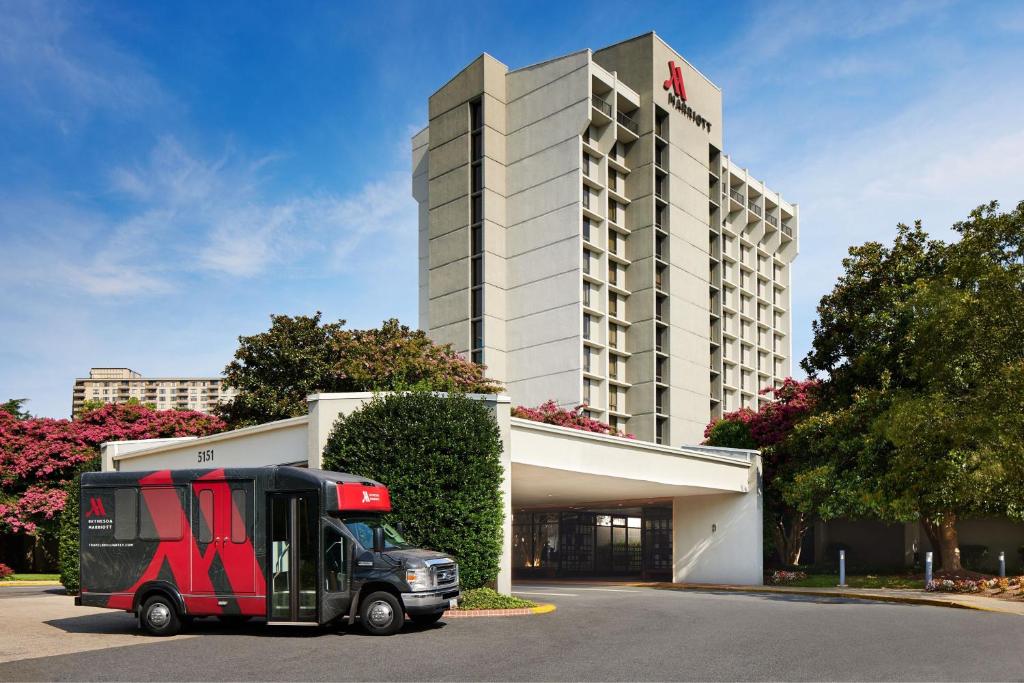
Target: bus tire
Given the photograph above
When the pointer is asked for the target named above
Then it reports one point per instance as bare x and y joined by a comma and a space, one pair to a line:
159, 617
381, 614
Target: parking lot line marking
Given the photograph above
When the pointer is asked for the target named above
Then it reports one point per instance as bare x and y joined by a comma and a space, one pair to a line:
560, 595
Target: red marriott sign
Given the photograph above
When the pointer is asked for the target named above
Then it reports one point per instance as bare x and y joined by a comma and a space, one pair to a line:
677, 96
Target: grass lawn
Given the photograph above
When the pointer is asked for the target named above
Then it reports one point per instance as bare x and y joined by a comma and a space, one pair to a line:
33, 577
859, 581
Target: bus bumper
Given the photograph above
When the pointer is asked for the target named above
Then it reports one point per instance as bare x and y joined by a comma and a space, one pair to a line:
429, 602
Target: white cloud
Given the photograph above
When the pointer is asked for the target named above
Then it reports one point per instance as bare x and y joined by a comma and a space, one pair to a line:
189, 215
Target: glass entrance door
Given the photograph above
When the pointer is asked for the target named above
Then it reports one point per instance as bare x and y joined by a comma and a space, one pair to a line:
293, 554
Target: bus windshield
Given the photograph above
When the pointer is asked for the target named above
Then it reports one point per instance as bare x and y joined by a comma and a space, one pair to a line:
362, 528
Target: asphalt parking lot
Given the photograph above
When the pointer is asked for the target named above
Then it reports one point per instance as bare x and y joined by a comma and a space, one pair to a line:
599, 632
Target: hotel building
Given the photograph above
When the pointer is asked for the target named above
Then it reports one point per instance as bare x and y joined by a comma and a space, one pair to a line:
118, 385
584, 235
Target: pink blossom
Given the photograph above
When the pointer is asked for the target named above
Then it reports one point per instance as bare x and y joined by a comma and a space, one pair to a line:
549, 413
39, 455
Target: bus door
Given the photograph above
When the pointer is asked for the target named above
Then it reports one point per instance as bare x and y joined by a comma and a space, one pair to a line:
222, 523
293, 551
337, 572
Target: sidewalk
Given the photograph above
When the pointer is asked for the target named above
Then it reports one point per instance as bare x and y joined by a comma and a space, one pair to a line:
29, 583
900, 595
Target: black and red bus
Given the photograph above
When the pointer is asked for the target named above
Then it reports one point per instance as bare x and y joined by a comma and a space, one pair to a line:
285, 544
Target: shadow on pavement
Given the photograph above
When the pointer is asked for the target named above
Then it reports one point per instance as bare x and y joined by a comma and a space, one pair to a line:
792, 597
124, 623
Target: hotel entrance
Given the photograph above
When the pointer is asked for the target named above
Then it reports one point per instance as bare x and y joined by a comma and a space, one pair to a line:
624, 542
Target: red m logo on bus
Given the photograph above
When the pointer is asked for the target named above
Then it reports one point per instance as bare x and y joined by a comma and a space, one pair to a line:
95, 508
675, 81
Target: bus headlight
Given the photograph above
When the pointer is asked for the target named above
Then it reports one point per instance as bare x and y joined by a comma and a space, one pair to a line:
418, 579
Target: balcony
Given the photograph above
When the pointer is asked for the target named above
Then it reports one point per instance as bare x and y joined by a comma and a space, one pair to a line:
752, 205
772, 220
630, 125
787, 231
737, 195
603, 108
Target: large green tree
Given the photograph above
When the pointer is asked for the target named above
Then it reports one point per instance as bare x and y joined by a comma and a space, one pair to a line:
275, 370
923, 348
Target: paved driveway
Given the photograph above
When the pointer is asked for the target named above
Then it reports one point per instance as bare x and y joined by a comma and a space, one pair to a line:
598, 633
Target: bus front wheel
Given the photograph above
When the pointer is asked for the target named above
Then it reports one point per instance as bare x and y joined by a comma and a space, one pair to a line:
381, 614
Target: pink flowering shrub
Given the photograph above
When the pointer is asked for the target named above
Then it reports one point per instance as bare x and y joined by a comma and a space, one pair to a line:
549, 413
5, 571
39, 455
780, 577
774, 421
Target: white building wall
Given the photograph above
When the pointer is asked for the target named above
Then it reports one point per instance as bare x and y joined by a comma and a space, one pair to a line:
548, 107
719, 538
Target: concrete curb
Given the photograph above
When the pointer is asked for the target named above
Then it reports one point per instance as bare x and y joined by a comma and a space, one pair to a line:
543, 608
811, 592
29, 583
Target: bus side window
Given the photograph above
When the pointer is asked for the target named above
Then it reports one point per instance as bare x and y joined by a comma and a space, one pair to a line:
206, 522
239, 516
335, 560
126, 514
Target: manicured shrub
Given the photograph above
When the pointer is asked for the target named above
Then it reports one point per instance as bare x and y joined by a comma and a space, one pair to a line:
440, 456
488, 598
68, 533
5, 571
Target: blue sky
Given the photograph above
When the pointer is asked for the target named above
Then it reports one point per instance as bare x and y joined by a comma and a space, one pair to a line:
173, 173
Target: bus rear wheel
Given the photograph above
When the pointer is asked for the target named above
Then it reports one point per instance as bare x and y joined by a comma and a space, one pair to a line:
381, 614
159, 617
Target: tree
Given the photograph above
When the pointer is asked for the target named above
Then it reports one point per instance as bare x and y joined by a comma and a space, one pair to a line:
39, 456
15, 407
937, 389
274, 371
440, 457
862, 325
790, 498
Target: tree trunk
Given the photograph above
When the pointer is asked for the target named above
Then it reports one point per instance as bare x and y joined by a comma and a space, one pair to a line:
788, 542
941, 532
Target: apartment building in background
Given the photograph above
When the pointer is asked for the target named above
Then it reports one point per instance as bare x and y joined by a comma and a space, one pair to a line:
583, 234
118, 385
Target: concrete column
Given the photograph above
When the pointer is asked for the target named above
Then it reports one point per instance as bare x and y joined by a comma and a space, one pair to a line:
718, 538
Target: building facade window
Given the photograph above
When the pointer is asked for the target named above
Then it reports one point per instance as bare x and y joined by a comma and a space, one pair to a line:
476, 241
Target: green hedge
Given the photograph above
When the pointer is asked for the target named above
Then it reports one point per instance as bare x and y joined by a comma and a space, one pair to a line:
440, 456
487, 598
68, 532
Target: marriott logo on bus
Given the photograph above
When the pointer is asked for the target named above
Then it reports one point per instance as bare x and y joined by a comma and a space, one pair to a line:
677, 96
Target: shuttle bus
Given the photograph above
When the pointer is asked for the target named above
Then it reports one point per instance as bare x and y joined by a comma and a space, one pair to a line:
286, 544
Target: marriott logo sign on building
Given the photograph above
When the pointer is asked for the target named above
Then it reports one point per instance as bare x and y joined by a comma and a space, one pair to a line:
677, 96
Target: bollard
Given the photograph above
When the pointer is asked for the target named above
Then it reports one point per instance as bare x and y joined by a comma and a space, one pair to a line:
927, 568
842, 569
1002, 564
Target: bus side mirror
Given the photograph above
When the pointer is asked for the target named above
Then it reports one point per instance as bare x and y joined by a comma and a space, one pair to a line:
378, 539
